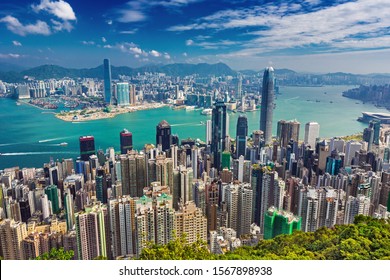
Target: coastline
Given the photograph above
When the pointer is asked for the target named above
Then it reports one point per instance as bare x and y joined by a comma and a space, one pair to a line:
99, 113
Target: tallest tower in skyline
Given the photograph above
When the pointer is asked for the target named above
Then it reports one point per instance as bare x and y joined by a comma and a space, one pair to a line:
267, 104
107, 80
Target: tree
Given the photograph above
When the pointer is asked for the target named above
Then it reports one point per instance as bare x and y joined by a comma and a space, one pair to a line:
57, 254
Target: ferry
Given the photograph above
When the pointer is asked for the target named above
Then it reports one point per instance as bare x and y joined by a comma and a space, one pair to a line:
207, 111
63, 144
190, 108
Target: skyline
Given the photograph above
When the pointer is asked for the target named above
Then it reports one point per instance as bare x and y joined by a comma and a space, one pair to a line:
306, 35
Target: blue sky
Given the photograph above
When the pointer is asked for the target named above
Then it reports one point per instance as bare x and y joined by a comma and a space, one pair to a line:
305, 35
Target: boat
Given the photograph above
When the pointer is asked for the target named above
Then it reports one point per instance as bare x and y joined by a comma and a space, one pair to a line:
190, 108
18, 104
202, 122
63, 144
207, 111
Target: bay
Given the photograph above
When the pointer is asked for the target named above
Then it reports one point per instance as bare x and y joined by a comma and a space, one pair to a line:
30, 136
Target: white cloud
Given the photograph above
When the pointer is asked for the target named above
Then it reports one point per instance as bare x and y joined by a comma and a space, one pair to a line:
336, 26
128, 16
185, 54
108, 47
189, 42
15, 26
10, 55
167, 56
155, 53
137, 10
109, 22
61, 9
59, 26
132, 31
17, 43
88, 43
104, 39
135, 50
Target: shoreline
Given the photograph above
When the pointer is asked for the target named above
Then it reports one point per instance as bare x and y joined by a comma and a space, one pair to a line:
93, 114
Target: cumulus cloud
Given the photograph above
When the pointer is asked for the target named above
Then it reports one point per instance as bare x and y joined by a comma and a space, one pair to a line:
61, 9
104, 39
60, 26
167, 56
155, 53
17, 43
15, 26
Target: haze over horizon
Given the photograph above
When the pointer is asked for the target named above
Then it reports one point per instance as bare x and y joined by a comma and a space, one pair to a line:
305, 35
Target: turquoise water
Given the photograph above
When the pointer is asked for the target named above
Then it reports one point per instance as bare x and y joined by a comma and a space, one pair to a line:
30, 136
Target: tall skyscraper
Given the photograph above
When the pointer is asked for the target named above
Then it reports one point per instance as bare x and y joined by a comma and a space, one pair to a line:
286, 131
267, 104
241, 134
163, 135
312, 132
107, 80
208, 132
122, 94
87, 147
126, 141
218, 142
132, 94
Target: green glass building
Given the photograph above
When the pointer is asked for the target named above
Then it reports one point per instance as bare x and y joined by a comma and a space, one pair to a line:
280, 222
226, 160
52, 194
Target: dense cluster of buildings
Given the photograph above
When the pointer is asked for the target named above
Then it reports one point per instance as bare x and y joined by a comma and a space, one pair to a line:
231, 190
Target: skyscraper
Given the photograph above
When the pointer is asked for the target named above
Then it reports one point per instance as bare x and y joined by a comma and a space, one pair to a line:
122, 94
163, 135
267, 104
126, 141
241, 134
91, 233
312, 132
218, 144
107, 80
52, 194
286, 131
87, 147
208, 132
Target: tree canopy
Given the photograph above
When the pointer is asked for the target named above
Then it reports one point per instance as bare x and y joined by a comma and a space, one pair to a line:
366, 239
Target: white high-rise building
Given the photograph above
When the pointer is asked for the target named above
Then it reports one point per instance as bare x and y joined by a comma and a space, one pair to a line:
359, 205
351, 148
312, 132
208, 132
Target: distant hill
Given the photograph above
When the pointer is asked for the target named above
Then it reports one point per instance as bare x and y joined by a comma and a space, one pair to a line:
284, 76
178, 69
